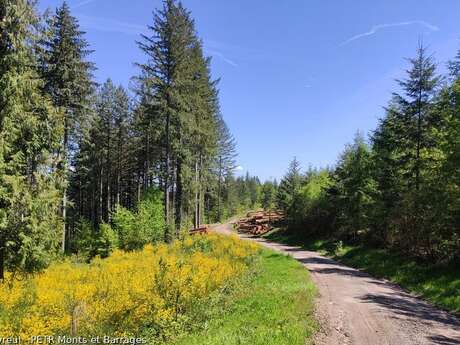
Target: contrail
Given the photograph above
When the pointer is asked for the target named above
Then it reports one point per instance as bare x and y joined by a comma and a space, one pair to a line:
376, 28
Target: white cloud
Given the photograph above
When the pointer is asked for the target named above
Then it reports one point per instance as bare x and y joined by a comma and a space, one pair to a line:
239, 168
379, 27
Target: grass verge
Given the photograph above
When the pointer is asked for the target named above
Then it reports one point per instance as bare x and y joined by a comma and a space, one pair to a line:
274, 307
438, 284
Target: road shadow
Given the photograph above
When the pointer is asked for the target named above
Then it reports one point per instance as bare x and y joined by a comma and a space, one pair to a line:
442, 340
341, 271
319, 260
405, 305
294, 249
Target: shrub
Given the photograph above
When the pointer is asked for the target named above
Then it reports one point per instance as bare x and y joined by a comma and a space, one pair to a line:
155, 292
106, 241
146, 225
84, 243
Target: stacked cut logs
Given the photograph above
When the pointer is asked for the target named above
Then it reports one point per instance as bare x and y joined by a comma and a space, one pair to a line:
258, 223
202, 229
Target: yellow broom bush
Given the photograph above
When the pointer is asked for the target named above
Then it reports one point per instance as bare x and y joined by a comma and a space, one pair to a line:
153, 291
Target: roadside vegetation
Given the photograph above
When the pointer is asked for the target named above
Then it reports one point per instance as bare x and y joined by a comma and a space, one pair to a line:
157, 293
204, 289
87, 167
274, 308
390, 205
439, 284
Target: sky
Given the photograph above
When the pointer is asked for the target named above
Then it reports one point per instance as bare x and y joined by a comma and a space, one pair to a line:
298, 78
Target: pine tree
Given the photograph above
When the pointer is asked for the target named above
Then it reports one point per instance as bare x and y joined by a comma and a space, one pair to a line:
405, 151
178, 96
268, 195
454, 66
420, 88
67, 77
226, 161
355, 187
289, 185
163, 83
104, 165
30, 129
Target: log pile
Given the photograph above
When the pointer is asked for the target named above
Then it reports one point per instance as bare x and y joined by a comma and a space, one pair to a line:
258, 223
202, 229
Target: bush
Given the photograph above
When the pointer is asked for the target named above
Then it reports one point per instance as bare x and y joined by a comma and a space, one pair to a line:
84, 242
89, 243
150, 215
107, 241
156, 292
309, 204
146, 225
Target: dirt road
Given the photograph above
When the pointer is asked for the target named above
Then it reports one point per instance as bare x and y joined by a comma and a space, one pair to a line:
357, 309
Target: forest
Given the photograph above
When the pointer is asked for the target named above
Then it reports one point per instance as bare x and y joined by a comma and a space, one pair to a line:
101, 186
399, 188
79, 161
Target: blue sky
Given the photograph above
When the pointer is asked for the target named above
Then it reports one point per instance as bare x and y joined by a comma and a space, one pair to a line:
298, 77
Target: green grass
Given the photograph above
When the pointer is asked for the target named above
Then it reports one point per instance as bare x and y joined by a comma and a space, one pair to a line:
439, 284
275, 307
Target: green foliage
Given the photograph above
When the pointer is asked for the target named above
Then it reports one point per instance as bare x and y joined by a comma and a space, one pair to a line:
106, 241
281, 294
84, 240
62, 50
89, 243
289, 185
150, 215
30, 129
268, 195
309, 205
130, 236
146, 225
402, 191
67, 74
104, 165
355, 188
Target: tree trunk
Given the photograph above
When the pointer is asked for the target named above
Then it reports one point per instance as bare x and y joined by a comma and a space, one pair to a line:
147, 161
166, 177
64, 218
200, 184
196, 208
178, 197
2, 260
101, 190
64, 196
118, 175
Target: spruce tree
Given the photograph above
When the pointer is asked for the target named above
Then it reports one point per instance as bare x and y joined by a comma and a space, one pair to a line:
226, 161
419, 91
355, 187
405, 150
178, 96
268, 195
289, 185
103, 164
163, 82
30, 130
67, 77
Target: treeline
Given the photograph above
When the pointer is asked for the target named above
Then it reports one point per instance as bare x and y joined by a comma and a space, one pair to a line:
400, 189
86, 167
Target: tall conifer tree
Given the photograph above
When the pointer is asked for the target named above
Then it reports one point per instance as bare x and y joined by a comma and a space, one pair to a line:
68, 81
30, 130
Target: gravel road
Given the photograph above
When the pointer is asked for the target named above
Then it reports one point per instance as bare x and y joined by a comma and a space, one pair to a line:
356, 309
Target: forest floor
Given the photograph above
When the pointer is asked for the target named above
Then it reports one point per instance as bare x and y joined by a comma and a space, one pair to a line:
355, 308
